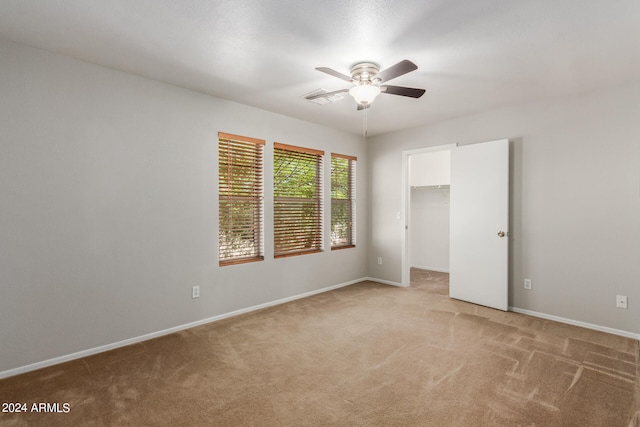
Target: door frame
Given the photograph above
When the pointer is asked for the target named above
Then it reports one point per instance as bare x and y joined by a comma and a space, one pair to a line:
405, 213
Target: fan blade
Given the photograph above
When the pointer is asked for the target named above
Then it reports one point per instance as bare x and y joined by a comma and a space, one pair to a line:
402, 91
363, 107
326, 95
334, 73
402, 67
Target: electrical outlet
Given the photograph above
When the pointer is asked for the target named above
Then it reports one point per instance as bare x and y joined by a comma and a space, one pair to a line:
621, 301
527, 283
195, 292
379, 260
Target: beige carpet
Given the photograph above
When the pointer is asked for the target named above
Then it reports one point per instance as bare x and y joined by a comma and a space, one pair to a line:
364, 355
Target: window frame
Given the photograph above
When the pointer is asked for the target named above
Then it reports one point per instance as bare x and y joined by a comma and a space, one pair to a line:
351, 201
253, 148
286, 208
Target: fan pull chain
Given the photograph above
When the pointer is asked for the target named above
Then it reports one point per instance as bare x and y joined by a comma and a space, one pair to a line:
364, 124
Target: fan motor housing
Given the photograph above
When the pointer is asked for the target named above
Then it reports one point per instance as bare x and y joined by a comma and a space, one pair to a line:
365, 73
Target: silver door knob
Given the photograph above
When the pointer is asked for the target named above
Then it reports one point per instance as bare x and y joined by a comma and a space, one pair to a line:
501, 233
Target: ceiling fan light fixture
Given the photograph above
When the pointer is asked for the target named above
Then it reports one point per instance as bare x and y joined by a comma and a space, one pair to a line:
364, 94
367, 78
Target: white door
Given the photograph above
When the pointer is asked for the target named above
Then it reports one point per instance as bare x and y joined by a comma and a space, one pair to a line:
479, 213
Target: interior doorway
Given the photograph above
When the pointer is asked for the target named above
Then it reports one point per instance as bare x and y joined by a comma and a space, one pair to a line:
479, 219
426, 178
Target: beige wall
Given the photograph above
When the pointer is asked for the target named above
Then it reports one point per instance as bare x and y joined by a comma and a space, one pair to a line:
429, 229
108, 184
109, 211
575, 201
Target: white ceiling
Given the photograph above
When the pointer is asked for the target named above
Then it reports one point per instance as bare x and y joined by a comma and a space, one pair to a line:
472, 55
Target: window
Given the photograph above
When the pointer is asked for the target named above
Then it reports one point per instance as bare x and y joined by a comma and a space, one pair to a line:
240, 188
297, 204
343, 188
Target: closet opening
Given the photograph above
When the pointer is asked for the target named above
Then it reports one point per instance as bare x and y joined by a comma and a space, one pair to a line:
426, 186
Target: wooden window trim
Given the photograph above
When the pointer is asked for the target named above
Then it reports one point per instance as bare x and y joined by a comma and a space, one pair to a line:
344, 156
240, 261
312, 251
337, 248
351, 184
298, 149
232, 137
287, 239
240, 188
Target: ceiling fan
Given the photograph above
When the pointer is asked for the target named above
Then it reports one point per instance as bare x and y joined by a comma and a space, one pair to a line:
367, 79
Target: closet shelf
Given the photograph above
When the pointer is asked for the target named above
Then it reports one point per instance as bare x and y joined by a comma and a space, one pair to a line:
431, 187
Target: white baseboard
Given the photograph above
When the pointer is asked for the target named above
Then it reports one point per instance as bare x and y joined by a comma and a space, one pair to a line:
438, 269
135, 340
384, 282
576, 323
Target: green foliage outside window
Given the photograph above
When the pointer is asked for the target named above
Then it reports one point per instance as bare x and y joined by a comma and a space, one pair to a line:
342, 180
297, 202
